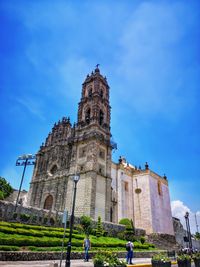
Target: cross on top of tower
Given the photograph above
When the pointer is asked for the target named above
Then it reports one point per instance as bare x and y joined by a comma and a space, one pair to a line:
97, 68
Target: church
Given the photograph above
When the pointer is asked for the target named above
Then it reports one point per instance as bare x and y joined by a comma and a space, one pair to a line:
107, 189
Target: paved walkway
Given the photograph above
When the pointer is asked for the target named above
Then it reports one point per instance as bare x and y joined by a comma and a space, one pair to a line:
74, 263
140, 262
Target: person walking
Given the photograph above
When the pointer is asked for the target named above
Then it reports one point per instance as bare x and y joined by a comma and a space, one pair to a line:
86, 246
129, 255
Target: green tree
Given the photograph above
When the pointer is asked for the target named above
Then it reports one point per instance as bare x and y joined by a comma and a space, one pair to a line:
197, 235
99, 231
86, 223
129, 233
5, 188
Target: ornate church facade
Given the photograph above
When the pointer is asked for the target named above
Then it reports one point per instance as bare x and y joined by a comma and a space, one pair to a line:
112, 191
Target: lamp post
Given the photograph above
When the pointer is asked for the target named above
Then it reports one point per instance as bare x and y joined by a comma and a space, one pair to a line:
76, 178
23, 160
188, 229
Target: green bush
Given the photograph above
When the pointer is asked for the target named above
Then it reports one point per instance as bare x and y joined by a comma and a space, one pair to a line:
121, 236
142, 239
34, 219
86, 223
24, 235
9, 248
99, 231
24, 217
15, 215
126, 222
37, 233
34, 227
45, 220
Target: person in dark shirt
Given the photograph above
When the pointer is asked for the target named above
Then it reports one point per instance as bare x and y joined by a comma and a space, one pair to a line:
129, 248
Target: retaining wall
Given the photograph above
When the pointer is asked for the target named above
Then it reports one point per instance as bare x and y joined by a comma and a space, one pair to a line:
35, 256
51, 218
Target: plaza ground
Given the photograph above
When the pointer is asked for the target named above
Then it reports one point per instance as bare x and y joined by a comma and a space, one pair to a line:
74, 263
139, 262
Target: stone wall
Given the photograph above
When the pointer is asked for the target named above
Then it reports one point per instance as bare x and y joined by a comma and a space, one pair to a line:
180, 232
163, 241
34, 256
28, 215
45, 217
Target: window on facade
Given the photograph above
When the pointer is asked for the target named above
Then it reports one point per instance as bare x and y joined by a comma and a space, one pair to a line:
126, 186
82, 152
87, 116
54, 169
101, 93
102, 153
101, 117
159, 188
48, 203
101, 169
90, 92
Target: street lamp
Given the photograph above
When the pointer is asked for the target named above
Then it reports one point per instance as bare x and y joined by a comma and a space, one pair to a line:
76, 178
23, 160
188, 229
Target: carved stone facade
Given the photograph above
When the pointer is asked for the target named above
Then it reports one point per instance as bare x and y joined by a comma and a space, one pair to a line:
83, 148
113, 191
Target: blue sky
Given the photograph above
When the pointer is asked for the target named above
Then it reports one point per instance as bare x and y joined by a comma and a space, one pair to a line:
149, 51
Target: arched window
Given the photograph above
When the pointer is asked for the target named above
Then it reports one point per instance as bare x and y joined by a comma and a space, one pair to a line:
101, 117
87, 116
48, 202
54, 169
101, 93
90, 92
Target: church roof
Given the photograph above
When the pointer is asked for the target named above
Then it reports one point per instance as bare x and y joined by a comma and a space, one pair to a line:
95, 75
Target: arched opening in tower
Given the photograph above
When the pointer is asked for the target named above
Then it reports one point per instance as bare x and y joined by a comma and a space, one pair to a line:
48, 202
101, 93
90, 93
87, 116
101, 117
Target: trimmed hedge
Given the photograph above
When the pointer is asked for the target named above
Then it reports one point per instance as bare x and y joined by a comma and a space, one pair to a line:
22, 235
34, 227
37, 233
9, 248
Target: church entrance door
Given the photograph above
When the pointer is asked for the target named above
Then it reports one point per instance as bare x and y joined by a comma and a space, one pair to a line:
48, 203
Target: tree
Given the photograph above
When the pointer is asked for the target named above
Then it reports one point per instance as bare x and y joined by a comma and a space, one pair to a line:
129, 233
86, 223
5, 188
99, 231
197, 235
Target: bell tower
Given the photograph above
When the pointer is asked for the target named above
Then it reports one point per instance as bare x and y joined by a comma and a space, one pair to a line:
93, 148
94, 108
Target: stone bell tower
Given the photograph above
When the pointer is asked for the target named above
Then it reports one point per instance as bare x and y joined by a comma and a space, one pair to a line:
83, 148
94, 148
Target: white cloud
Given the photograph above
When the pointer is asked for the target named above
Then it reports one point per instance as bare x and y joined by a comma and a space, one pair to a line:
33, 106
179, 209
151, 61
